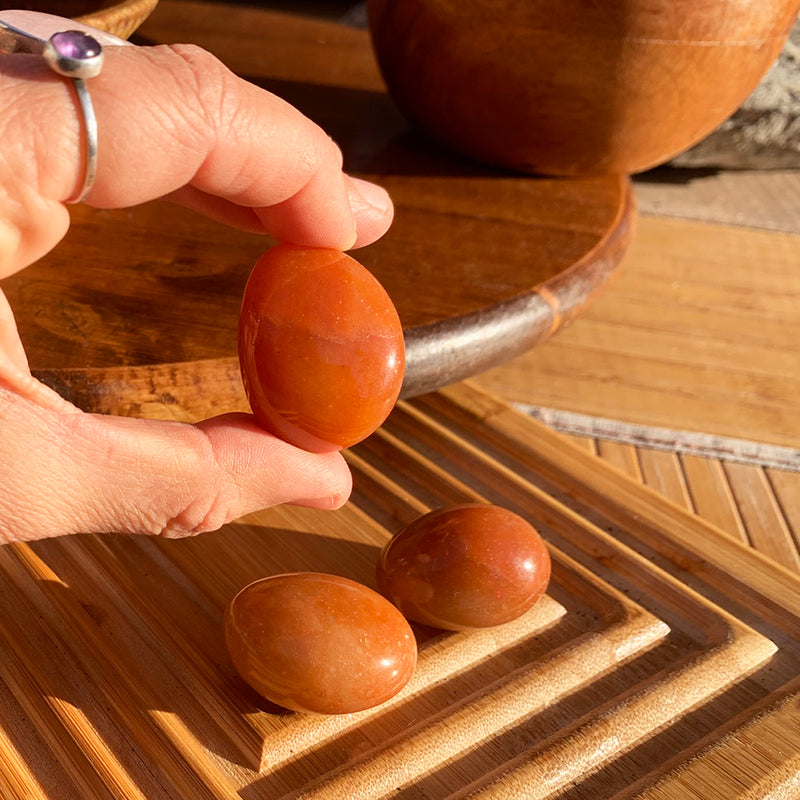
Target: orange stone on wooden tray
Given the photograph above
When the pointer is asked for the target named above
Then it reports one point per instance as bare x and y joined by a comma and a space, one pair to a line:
319, 643
321, 348
469, 566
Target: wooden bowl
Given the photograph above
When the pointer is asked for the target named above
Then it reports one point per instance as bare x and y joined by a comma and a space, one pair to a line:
121, 19
577, 86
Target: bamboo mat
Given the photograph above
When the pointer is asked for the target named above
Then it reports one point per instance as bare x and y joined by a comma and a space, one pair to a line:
662, 663
754, 504
699, 337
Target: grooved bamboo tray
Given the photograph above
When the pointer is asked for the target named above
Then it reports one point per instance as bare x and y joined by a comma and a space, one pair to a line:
662, 663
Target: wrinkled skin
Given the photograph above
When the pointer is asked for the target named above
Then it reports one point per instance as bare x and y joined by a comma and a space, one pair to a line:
217, 144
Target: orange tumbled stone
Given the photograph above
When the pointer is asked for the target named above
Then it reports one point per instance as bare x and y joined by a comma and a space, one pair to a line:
319, 643
469, 566
320, 347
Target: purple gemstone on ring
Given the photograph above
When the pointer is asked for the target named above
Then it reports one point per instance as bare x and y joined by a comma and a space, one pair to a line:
75, 45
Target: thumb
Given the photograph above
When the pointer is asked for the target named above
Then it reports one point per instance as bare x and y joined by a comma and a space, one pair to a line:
68, 472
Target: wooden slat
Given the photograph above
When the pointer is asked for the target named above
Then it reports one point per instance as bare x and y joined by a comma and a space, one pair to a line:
699, 332
757, 505
711, 494
663, 471
622, 456
766, 526
786, 486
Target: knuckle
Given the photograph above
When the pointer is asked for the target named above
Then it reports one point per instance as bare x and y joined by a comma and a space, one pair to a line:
207, 499
202, 82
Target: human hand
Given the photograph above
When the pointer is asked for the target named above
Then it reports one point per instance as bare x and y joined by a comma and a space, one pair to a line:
173, 123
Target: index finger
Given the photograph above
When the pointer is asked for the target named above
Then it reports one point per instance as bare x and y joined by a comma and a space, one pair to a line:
173, 120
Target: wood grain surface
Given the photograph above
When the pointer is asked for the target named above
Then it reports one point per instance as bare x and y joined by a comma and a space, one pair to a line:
481, 264
699, 333
755, 504
662, 654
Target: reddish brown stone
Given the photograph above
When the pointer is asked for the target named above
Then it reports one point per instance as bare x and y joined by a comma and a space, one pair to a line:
319, 643
471, 566
320, 346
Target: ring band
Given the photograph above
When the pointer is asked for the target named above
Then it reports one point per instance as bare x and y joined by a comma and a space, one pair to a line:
76, 55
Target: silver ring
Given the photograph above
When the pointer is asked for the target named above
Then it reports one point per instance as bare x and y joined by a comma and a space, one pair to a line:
76, 55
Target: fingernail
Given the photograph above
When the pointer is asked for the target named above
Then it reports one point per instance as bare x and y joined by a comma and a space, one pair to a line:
350, 241
373, 195
329, 503
338, 500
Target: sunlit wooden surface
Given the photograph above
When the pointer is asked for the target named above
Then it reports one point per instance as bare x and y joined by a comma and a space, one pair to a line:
697, 343
664, 654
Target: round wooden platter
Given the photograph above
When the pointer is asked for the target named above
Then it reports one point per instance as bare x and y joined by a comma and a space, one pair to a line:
137, 305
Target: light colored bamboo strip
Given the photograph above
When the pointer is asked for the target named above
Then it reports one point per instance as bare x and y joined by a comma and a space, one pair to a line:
699, 332
711, 494
18, 781
761, 512
622, 456
663, 471
703, 485
458, 729
29, 769
764, 742
586, 443
695, 482
786, 486
163, 734
539, 773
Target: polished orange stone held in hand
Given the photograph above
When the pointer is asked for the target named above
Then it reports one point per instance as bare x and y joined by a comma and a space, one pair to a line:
470, 566
319, 643
321, 348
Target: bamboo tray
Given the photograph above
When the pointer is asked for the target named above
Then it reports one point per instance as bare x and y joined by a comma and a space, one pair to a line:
662, 663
